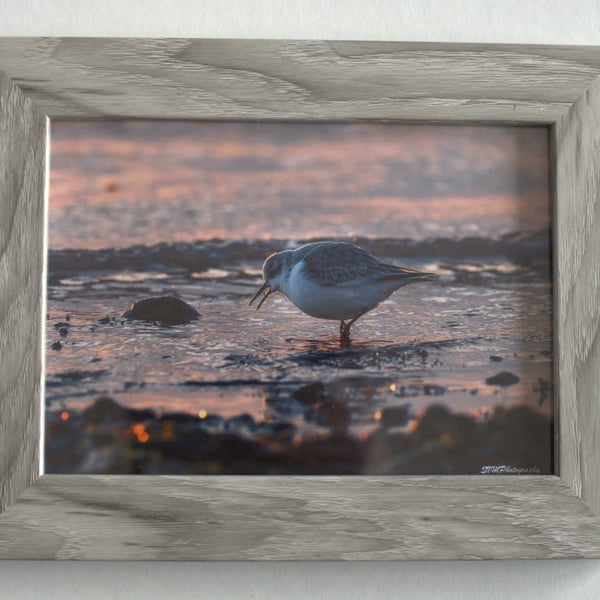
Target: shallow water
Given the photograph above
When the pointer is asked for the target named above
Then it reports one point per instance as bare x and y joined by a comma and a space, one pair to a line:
430, 343
236, 371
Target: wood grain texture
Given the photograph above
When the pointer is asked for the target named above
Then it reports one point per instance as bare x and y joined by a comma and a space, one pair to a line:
298, 518
22, 173
260, 518
249, 79
578, 294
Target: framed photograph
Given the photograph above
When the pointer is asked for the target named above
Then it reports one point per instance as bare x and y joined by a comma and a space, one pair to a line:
157, 364
156, 192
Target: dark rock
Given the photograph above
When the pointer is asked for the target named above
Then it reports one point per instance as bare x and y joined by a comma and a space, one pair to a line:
285, 404
57, 346
167, 310
495, 358
240, 423
503, 379
436, 420
313, 393
213, 422
520, 437
63, 331
105, 410
177, 417
395, 416
61, 324
104, 320
337, 454
386, 452
333, 415
190, 445
278, 430
234, 453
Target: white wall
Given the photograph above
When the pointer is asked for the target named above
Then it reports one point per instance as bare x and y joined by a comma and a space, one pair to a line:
508, 21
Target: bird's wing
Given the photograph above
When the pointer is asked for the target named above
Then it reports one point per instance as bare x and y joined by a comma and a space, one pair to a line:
342, 263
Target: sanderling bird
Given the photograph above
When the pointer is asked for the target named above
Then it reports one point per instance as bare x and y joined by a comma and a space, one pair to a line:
333, 280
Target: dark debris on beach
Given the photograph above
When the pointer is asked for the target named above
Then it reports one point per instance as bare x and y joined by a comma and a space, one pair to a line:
107, 437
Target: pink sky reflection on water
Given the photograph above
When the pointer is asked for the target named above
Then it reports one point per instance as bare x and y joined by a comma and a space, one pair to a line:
114, 184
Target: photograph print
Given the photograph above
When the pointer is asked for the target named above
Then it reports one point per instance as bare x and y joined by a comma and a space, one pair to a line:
283, 298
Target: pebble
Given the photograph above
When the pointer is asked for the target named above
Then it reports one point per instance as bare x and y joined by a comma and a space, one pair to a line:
503, 379
166, 310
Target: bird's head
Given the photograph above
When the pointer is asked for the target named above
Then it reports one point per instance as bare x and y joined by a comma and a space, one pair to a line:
274, 270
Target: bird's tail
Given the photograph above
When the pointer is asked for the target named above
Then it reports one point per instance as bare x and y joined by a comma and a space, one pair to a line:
428, 276
409, 275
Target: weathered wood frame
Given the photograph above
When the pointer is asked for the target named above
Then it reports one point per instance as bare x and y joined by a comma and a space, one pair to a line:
301, 518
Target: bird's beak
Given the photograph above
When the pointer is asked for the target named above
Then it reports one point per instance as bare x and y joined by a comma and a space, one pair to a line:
265, 290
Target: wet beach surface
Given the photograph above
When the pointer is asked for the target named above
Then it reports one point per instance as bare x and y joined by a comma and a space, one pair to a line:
270, 387
451, 377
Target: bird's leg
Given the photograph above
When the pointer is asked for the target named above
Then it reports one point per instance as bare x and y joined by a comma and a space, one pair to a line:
345, 331
345, 336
